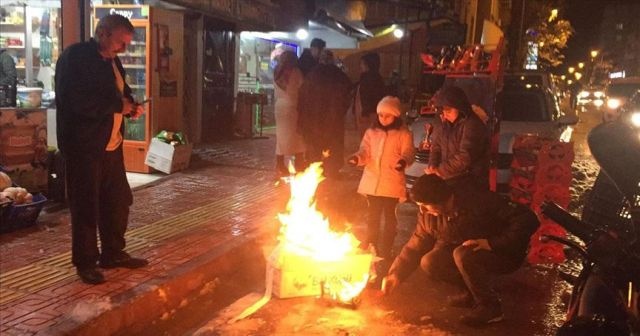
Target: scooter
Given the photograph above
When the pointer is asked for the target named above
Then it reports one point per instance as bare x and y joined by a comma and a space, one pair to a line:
604, 298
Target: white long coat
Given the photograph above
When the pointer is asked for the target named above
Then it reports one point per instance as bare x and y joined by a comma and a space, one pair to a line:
288, 140
379, 153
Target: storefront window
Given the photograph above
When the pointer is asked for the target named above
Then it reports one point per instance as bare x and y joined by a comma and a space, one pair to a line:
257, 62
30, 33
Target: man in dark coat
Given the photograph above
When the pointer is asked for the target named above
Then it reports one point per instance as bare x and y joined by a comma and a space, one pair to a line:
460, 145
465, 236
92, 98
371, 89
323, 101
310, 58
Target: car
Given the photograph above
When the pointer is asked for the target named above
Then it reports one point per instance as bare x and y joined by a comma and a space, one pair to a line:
618, 92
631, 110
591, 96
526, 110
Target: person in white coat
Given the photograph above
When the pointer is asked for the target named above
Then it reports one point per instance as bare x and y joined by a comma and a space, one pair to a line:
289, 142
385, 151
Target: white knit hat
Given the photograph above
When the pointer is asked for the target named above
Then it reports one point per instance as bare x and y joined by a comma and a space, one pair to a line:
389, 105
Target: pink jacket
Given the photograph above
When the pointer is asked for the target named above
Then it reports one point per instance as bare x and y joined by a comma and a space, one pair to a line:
380, 152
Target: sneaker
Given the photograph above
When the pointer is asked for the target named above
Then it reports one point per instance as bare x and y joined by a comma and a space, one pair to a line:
483, 315
462, 300
90, 276
124, 262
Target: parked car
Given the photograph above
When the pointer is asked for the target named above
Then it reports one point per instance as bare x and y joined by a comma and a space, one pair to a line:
618, 92
526, 110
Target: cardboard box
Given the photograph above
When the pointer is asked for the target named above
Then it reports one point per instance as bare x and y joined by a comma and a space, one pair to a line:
296, 276
167, 158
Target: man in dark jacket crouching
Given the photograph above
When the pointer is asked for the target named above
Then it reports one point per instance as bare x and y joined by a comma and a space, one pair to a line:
465, 236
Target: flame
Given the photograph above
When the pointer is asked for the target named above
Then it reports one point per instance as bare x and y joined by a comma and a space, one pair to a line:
349, 290
306, 231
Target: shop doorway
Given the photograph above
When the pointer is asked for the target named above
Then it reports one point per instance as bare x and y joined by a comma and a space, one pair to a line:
218, 80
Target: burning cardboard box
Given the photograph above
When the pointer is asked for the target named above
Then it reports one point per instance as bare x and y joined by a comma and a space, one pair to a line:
295, 275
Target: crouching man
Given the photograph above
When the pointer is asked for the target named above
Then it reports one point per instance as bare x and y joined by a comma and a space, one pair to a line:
465, 236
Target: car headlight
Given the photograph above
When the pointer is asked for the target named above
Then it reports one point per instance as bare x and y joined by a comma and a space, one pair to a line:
635, 118
584, 94
598, 94
598, 102
613, 103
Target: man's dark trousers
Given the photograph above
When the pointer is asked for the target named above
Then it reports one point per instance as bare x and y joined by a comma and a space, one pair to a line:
99, 198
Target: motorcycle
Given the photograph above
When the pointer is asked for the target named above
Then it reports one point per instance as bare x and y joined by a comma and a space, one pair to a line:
604, 298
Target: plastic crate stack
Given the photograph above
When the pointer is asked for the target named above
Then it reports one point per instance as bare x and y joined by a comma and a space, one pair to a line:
541, 171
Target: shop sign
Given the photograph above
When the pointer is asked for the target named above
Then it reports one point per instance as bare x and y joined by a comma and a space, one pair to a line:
131, 13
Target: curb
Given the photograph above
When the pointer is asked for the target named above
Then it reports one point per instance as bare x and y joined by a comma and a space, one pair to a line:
131, 311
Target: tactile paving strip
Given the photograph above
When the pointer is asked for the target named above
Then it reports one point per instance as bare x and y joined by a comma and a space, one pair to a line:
29, 279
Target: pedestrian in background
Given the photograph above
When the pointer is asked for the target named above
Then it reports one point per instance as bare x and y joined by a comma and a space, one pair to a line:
323, 102
311, 57
460, 143
92, 98
288, 79
369, 91
466, 236
385, 151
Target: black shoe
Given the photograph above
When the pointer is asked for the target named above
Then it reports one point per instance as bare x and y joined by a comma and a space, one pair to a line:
124, 262
482, 315
90, 276
462, 300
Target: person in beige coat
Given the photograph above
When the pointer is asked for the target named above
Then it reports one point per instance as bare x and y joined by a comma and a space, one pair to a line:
385, 151
289, 142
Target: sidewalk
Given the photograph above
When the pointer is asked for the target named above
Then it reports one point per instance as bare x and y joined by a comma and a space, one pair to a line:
194, 226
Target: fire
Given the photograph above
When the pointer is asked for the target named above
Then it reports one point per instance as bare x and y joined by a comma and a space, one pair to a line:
305, 231
311, 259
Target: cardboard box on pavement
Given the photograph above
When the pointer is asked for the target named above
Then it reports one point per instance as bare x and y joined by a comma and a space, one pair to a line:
167, 158
301, 276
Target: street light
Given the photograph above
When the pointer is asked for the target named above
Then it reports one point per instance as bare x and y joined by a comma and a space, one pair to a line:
571, 70
569, 82
577, 75
563, 77
581, 65
594, 53
554, 14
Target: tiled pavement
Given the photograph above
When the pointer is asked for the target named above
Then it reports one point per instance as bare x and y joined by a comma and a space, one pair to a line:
224, 200
193, 226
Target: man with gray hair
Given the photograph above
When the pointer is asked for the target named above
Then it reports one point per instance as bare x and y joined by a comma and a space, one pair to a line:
92, 99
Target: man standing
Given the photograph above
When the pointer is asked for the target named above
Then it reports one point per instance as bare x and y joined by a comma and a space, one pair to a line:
465, 236
311, 57
323, 101
92, 99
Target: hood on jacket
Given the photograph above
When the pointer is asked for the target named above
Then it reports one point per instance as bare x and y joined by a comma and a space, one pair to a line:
455, 97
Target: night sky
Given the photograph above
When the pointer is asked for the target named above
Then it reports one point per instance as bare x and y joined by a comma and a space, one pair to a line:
585, 17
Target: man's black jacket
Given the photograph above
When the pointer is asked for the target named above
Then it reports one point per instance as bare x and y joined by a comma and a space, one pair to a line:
86, 99
480, 213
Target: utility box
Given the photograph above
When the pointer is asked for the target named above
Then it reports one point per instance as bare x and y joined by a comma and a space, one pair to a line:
296, 276
168, 158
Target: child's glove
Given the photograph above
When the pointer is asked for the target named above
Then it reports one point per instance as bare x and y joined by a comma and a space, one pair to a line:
352, 160
401, 165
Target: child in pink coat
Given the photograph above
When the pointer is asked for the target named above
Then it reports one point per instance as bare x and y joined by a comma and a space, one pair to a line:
385, 151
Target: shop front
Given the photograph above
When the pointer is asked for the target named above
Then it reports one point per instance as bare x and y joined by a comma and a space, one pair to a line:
30, 42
